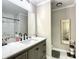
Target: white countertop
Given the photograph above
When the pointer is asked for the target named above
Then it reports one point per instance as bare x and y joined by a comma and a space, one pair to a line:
15, 47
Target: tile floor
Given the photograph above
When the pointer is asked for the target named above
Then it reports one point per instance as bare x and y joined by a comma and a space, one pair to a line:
63, 55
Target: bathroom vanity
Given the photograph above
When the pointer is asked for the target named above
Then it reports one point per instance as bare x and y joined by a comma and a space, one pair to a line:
34, 48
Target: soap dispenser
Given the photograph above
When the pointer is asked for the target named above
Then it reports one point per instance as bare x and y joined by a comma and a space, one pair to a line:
17, 36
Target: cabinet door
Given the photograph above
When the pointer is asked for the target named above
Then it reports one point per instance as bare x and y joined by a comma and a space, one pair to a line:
23, 56
38, 52
43, 50
33, 53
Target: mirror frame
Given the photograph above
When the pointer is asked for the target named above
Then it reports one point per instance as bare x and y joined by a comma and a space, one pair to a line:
67, 36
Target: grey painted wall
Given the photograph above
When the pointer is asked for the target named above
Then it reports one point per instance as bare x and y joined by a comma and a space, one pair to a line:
66, 13
44, 25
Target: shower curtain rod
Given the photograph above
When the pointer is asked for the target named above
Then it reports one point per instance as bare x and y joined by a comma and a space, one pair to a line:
10, 18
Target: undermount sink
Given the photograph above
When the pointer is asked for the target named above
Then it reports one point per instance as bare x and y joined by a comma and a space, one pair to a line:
32, 40
27, 41
37, 38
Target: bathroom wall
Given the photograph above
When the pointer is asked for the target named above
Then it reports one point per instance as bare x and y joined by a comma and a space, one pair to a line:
44, 24
31, 23
57, 15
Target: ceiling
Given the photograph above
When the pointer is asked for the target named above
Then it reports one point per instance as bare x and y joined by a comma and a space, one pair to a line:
8, 7
64, 3
36, 2
54, 2
11, 8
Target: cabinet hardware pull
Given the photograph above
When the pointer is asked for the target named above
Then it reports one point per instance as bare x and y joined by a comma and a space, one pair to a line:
37, 48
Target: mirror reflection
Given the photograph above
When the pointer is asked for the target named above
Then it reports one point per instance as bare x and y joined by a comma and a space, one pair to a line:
65, 31
14, 21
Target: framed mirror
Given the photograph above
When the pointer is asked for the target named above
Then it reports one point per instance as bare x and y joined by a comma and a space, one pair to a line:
65, 31
14, 21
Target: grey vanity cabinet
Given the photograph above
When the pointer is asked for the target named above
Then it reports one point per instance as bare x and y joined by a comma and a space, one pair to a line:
42, 50
38, 51
35, 52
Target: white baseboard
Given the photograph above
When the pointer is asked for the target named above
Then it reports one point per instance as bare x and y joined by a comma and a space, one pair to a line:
61, 50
